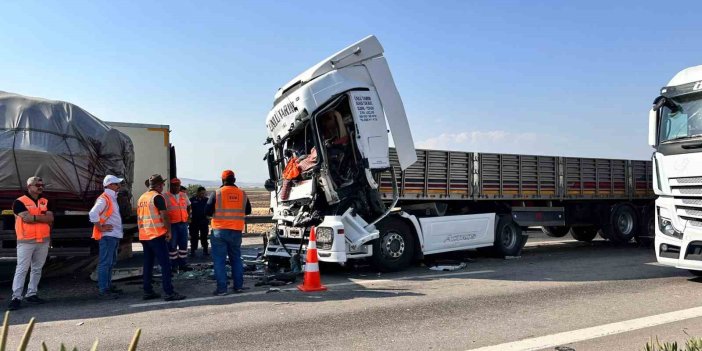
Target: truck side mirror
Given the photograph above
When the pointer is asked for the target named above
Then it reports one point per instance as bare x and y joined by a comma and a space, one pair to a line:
652, 127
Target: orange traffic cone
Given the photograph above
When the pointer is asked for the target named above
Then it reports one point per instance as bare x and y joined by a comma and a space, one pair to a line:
312, 280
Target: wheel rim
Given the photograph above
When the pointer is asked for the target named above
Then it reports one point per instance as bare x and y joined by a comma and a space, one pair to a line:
509, 236
393, 245
625, 223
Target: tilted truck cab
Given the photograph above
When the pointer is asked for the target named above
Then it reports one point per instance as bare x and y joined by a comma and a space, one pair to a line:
332, 120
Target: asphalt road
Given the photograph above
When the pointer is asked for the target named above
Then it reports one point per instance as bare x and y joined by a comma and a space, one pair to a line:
557, 294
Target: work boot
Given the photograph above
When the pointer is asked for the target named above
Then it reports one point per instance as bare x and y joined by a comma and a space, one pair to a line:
220, 293
240, 290
14, 304
151, 295
34, 299
174, 297
116, 290
107, 295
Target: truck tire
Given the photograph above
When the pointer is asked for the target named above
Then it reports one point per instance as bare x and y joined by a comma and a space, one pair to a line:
697, 273
394, 249
622, 225
583, 233
555, 232
647, 231
509, 239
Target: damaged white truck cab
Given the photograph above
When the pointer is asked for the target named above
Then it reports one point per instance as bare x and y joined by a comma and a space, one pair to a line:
332, 120
675, 131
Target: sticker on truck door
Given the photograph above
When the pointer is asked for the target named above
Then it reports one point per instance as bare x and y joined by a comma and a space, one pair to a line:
372, 138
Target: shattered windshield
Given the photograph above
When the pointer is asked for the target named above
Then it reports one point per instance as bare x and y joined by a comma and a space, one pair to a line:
685, 122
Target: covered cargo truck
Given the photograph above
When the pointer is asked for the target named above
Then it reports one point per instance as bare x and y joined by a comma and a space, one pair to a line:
72, 151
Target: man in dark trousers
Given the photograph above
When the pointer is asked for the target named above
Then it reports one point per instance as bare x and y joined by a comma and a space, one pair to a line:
228, 207
198, 222
154, 234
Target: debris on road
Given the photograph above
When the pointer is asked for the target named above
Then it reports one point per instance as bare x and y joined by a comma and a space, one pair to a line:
449, 267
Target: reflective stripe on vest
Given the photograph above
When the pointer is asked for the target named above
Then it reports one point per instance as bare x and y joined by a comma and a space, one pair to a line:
149, 220
104, 215
230, 206
32, 232
177, 209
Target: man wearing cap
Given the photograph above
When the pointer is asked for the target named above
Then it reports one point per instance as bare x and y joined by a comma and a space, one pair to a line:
107, 230
178, 206
228, 207
154, 234
33, 219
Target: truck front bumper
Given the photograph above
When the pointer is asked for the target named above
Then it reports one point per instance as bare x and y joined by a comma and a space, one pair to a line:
684, 252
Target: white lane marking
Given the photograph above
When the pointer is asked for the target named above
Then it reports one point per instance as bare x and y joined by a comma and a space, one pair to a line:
352, 282
553, 340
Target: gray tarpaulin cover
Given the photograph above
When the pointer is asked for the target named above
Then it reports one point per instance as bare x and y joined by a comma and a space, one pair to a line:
68, 147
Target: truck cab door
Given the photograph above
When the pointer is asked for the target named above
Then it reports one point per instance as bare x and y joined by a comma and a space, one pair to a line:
393, 109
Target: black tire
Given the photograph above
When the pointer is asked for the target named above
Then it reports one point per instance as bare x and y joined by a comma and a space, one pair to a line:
583, 233
394, 249
509, 239
647, 231
696, 273
622, 225
555, 232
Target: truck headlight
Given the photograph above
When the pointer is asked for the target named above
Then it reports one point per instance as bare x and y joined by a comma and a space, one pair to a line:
324, 234
666, 227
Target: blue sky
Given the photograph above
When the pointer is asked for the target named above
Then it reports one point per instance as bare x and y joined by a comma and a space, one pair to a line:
543, 77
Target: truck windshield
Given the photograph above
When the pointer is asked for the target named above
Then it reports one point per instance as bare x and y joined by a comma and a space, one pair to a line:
684, 123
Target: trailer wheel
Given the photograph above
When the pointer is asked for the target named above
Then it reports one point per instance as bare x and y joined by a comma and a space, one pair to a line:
394, 249
555, 232
583, 233
509, 239
622, 225
696, 273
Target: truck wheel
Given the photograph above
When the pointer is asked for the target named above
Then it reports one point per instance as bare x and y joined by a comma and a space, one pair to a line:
394, 249
555, 232
509, 240
647, 232
622, 225
697, 273
583, 233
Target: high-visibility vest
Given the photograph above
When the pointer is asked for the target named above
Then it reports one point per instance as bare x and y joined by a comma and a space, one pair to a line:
177, 209
149, 220
32, 232
104, 215
230, 208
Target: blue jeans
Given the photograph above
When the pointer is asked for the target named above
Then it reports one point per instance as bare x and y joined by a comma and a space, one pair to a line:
108, 258
227, 242
157, 249
179, 244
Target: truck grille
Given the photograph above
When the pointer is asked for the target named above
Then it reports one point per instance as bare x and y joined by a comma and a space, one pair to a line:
688, 199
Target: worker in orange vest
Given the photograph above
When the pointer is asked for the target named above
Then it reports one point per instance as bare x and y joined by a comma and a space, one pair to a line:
228, 207
154, 234
107, 230
178, 206
33, 220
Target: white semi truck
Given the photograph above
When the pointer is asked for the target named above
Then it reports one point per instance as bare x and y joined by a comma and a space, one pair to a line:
330, 166
675, 131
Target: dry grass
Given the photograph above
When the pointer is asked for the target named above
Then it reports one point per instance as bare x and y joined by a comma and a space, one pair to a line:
260, 205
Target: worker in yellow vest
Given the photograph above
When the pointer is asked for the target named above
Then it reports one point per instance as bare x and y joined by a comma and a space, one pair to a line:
33, 220
154, 234
107, 230
228, 207
178, 206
